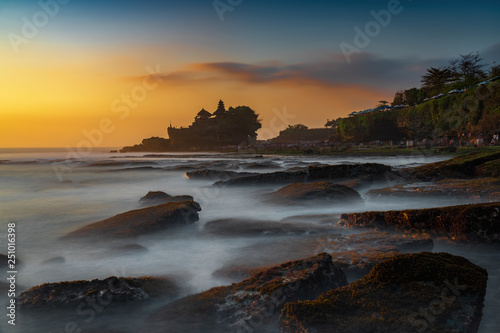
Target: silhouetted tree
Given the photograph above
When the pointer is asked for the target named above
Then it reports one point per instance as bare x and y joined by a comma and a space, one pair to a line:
399, 98
435, 79
297, 127
468, 68
383, 103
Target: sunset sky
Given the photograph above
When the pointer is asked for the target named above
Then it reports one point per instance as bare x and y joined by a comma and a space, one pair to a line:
71, 68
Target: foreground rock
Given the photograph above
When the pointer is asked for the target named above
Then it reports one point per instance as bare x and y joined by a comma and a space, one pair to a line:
157, 197
431, 292
112, 289
312, 174
476, 164
142, 221
253, 304
317, 192
466, 223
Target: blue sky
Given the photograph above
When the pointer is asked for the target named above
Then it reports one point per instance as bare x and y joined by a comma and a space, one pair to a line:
288, 52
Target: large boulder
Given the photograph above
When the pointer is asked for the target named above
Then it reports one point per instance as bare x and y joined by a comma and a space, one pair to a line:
142, 221
465, 223
279, 177
253, 304
424, 292
112, 289
317, 192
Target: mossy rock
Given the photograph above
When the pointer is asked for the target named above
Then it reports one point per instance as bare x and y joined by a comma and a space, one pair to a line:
251, 304
431, 292
465, 223
457, 167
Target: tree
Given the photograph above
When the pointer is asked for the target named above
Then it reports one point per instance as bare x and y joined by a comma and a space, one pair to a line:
435, 79
297, 127
383, 103
244, 121
468, 68
494, 71
411, 96
399, 98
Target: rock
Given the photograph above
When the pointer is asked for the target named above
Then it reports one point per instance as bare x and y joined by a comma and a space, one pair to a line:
236, 273
247, 228
319, 192
312, 174
466, 223
162, 197
127, 249
112, 289
347, 171
252, 304
432, 292
210, 174
458, 167
279, 177
142, 221
489, 169
476, 190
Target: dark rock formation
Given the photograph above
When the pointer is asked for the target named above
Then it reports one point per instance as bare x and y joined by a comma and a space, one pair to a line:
467, 223
475, 189
142, 221
319, 192
312, 174
210, 174
112, 289
347, 171
476, 164
162, 197
252, 304
424, 292
279, 177
153, 144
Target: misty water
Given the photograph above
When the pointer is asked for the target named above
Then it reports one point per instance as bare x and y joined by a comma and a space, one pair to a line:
46, 205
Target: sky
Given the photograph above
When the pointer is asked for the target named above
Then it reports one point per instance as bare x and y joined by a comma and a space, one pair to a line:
111, 73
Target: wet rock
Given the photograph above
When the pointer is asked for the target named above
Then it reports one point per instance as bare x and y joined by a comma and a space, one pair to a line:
279, 177
251, 304
157, 197
127, 249
312, 174
347, 171
475, 190
112, 289
458, 167
432, 292
214, 175
142, 221
247, 228
466, 223
317, 192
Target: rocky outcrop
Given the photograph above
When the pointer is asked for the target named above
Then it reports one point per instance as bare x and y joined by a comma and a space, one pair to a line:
319, 192
474, 190
210, 174
466, 223
476, 164
157, 197
142, 221
431, 292
312, 174
252, 304
112, 289
347, 171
